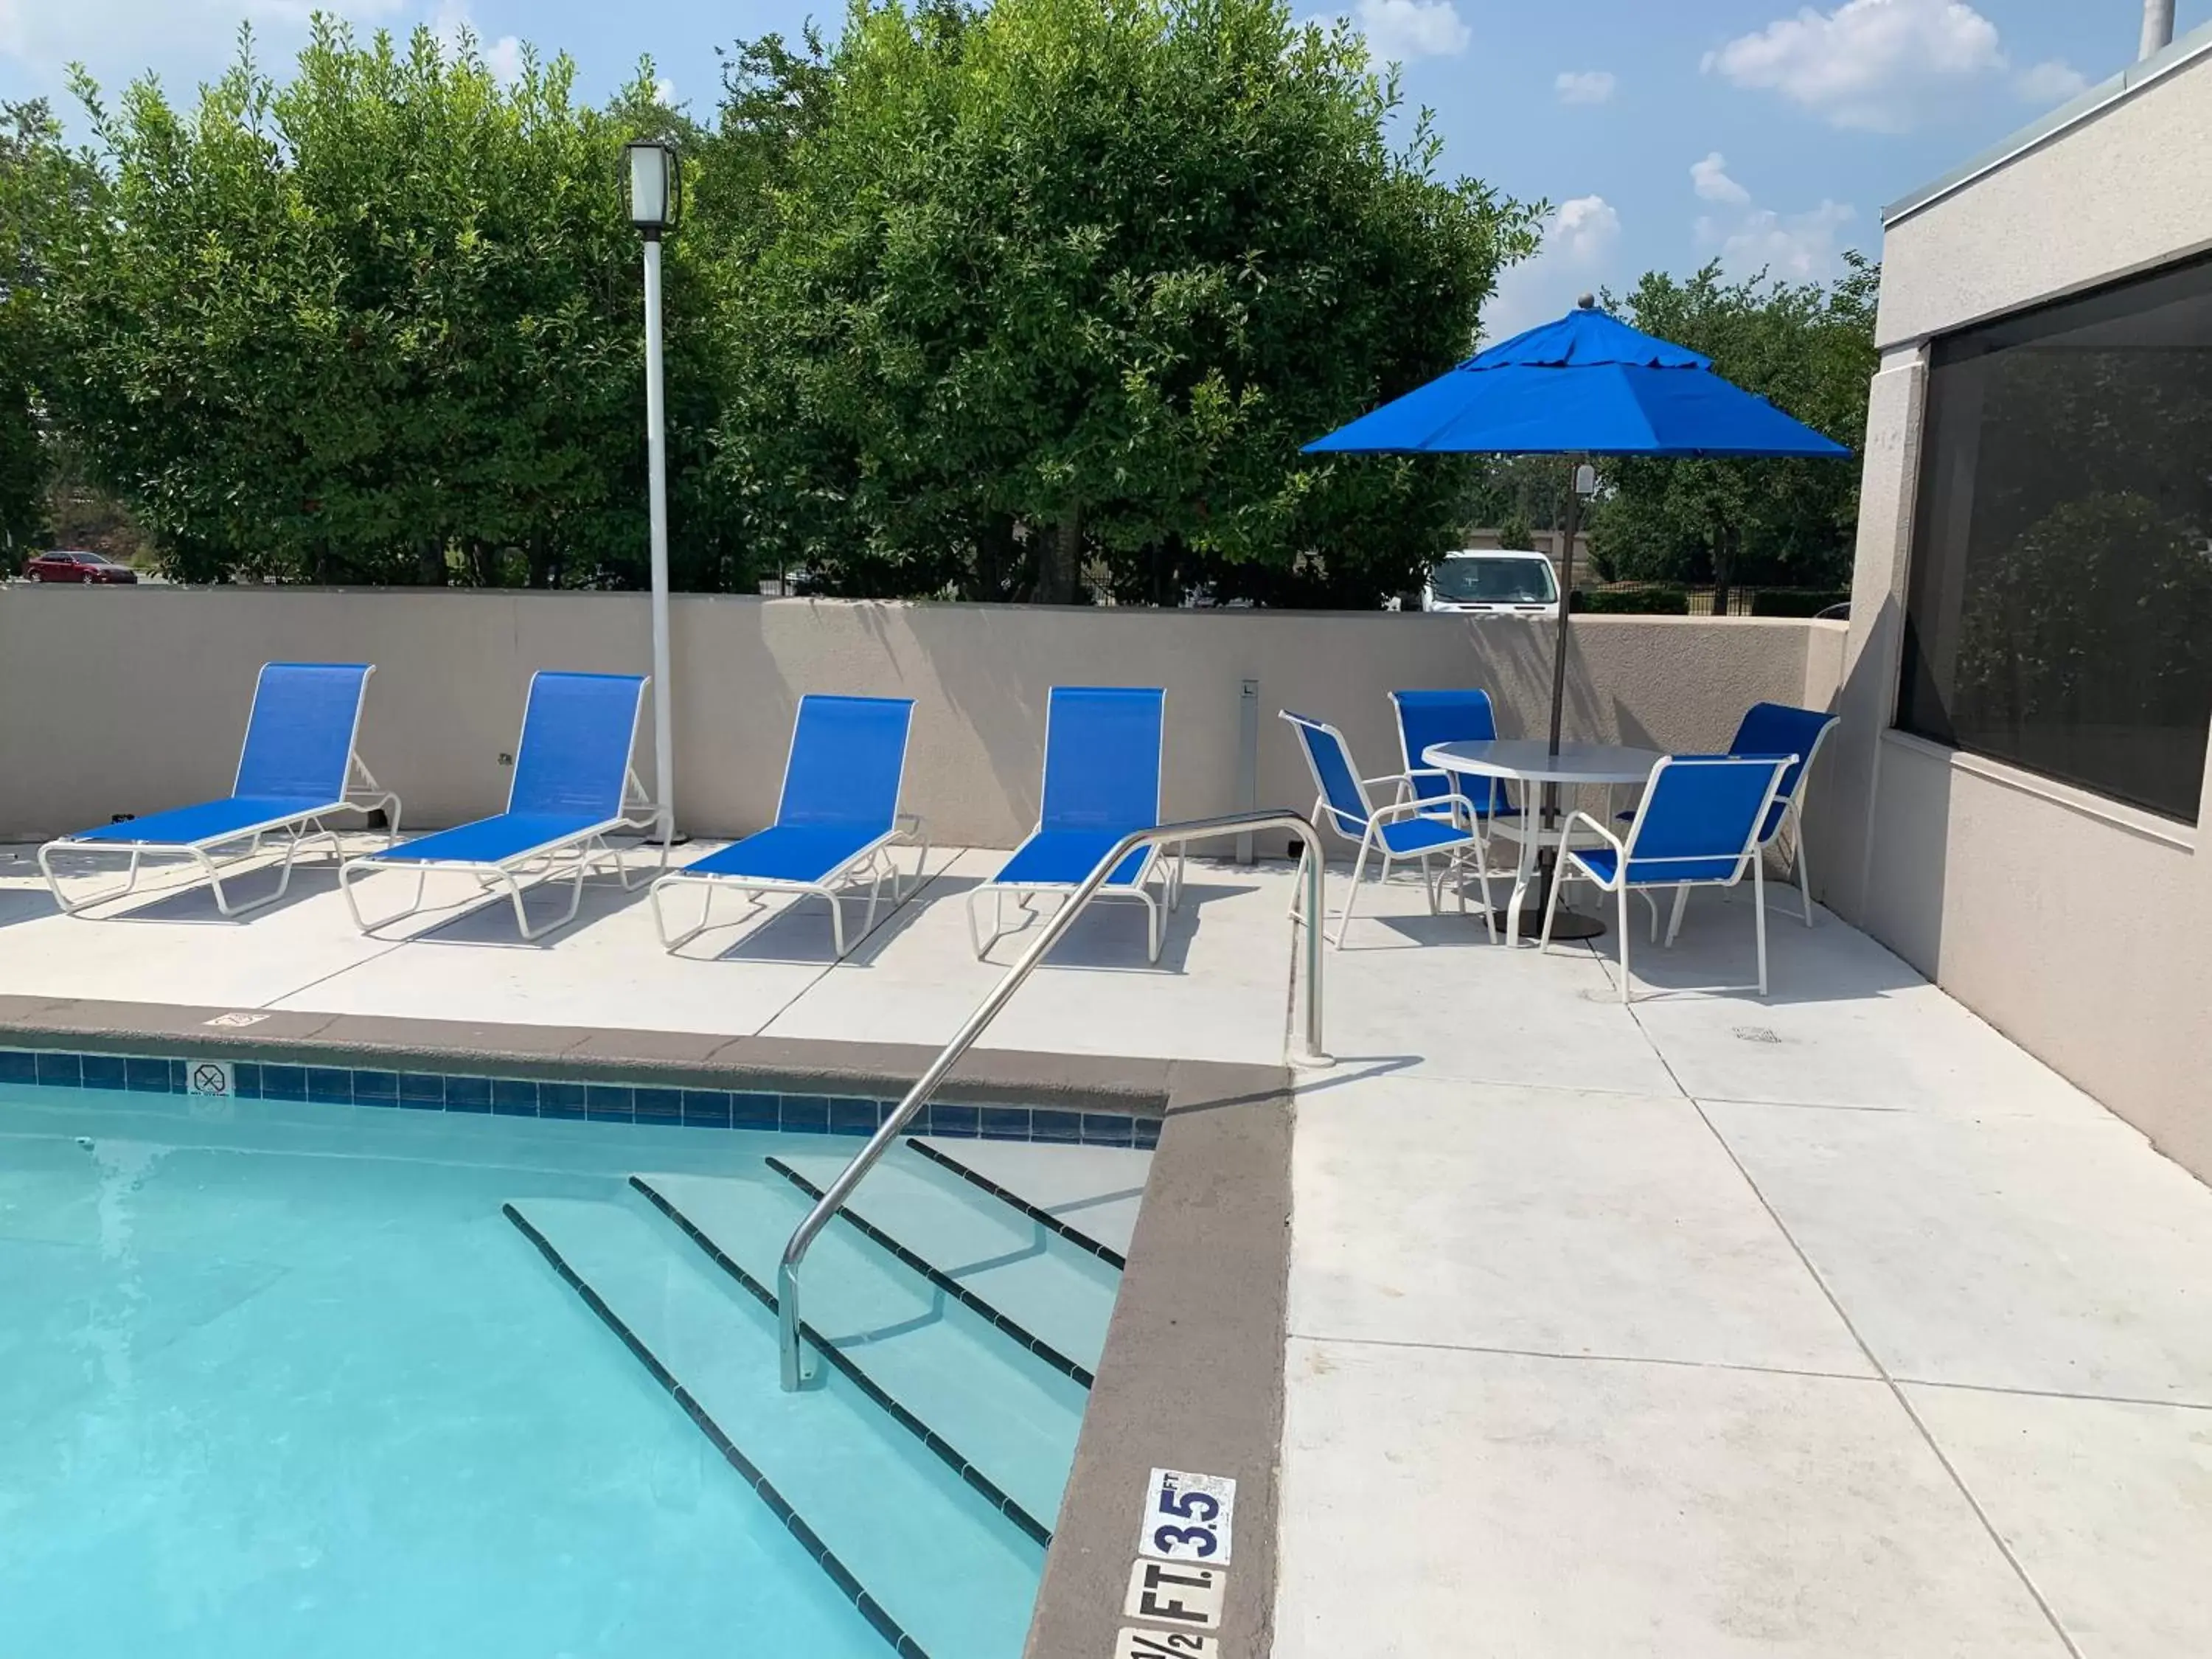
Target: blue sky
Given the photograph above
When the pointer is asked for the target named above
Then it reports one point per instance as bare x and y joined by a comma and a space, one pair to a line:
1664, 132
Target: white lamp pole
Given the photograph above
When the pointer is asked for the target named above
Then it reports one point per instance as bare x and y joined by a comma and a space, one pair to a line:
655, 182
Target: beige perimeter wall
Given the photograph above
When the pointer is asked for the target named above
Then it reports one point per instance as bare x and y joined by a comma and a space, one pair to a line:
130, 700
2079, 927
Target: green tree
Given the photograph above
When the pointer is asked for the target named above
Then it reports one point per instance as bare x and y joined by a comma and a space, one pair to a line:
380, 323
38, 181
1062, 286
1807, 347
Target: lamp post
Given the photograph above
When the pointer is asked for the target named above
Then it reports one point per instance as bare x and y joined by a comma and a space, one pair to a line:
654, 184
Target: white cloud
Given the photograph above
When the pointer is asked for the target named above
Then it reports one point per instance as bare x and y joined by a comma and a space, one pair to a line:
1584, 86
1580, 238
2050, 82
1879, 64
44, 36
1709, 178
663, 92
1407, 29
1800, 246
452, 24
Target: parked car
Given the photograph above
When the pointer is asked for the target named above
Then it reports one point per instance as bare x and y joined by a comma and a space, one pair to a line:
1493, 581
76, 567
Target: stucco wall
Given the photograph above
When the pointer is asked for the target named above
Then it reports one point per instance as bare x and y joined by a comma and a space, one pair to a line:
130, 700
2080, 926
2126, 189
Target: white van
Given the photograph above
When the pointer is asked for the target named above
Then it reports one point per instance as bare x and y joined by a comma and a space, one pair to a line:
1493, 581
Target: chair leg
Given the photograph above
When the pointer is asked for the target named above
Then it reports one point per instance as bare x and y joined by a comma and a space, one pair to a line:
1681, 902
1551, 909
1759, 917
1482, 876
1804, 872
1352, 893
1623, 945
837, 921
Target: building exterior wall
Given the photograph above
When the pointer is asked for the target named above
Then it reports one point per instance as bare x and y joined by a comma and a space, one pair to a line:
2080, 926
127, 700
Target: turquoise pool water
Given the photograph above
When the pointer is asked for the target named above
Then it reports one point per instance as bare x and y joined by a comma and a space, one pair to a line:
280, 1379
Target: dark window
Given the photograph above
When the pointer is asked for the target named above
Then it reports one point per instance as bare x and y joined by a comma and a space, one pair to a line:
2058, 611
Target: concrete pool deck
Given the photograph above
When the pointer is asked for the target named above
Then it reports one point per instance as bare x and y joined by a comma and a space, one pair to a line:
1831, 1323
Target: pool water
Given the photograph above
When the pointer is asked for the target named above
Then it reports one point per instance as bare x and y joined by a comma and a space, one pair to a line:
284, 1379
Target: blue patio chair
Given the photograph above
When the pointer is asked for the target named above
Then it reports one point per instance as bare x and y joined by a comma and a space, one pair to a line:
835, 821
1411, 827
1772, 729
1101, 780
573, 786
1698, 826
297, 767
1428, 718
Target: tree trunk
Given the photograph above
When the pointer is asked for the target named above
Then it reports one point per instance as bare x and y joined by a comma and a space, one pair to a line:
430, 563
1723, 567
480, 565
995, 557
1059, 559
541, 563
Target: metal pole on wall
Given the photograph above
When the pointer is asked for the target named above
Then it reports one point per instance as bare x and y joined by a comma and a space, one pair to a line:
656, 444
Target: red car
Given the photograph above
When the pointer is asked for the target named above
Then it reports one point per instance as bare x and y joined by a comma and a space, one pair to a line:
76, 567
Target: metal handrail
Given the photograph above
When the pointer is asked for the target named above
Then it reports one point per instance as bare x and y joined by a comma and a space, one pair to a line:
1309, 1053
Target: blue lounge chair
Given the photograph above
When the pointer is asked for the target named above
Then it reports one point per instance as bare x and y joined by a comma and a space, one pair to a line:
573, 786
835, 821
296, 768
1698, 826
1101, 780
1413, 826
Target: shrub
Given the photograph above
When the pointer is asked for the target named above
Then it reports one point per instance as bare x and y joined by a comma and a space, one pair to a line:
1652, 600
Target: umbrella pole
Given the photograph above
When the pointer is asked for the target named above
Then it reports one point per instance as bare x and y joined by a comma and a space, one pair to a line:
1568, 923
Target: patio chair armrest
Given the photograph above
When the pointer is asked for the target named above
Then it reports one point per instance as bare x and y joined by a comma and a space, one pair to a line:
1421, 806
1567, 830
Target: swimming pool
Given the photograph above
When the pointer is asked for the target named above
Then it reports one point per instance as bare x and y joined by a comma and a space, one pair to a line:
287, 1377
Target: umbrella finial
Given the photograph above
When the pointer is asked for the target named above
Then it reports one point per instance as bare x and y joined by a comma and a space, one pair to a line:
1585, 301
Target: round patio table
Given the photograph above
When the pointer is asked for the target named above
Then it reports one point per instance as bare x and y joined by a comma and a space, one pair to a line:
1528, 760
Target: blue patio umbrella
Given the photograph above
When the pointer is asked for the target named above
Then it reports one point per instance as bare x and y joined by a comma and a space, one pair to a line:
1585, 384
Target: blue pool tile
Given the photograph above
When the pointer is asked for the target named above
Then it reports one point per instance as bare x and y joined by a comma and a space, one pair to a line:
283, 1082
560, 1099
1048, 1125
245, 1079
848, 1116
514, 1096
707, 1108
147, 1077
18, 1065
425, 1090
658, 1105
806, 1115
329, 1085
177, 1069
104, 1071
1006, 1122
957, 1122
608, 1102
1146, 1133
62, 1071
376, 1088
468, 1094
1108, 1129
755, 1112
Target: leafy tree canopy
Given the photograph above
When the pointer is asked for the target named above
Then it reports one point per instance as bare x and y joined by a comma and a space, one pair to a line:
1807, 347
1066, 283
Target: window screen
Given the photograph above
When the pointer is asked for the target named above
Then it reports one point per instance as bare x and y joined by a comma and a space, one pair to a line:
2058, 610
